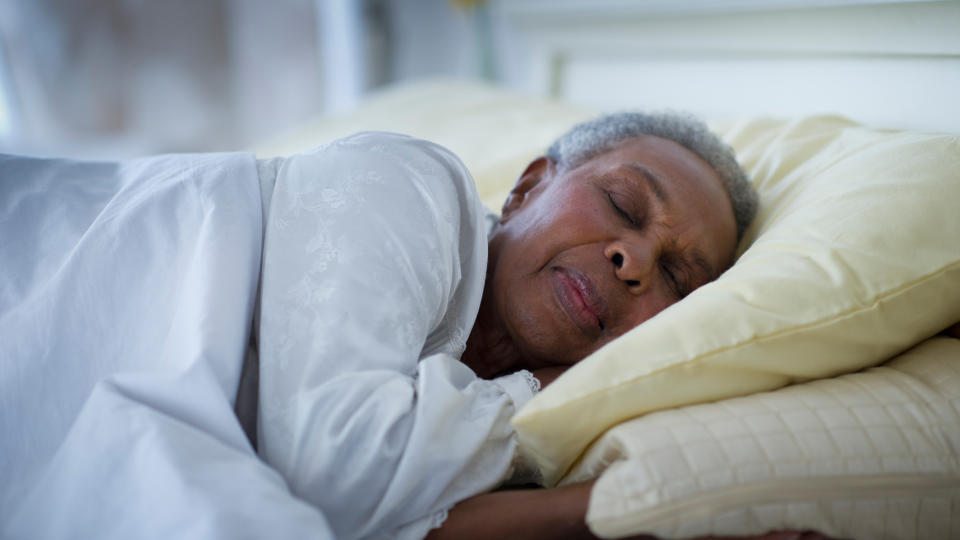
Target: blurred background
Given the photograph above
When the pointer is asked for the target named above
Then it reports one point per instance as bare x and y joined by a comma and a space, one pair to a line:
127, 77
118, 78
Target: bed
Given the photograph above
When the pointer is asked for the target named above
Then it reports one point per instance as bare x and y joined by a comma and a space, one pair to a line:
809, 387
755, 421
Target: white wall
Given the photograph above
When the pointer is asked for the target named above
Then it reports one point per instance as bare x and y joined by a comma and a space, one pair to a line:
884, 62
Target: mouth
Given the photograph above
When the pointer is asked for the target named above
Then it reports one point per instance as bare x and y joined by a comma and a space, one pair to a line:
580, 299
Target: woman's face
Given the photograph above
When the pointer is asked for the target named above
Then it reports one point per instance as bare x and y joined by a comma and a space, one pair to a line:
582, 256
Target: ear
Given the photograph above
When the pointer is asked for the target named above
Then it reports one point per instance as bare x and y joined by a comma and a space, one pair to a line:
538, 170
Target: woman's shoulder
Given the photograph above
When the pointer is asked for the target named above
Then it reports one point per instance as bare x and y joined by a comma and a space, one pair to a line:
413, 151
436, 163
405, 173
386, 205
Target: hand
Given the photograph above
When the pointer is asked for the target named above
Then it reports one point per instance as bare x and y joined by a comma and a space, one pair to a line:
548, 374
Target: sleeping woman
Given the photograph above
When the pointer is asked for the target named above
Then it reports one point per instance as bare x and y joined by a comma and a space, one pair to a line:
419, 321
398, 327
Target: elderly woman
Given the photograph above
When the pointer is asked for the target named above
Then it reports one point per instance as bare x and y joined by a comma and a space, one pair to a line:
373, 403
399, 328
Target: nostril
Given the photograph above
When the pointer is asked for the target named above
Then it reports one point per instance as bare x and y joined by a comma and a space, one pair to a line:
617, 260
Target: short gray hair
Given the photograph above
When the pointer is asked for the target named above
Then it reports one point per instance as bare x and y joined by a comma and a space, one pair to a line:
594, 137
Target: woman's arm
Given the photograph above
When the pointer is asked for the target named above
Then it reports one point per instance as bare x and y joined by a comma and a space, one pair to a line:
373, 267
548, 514
521, 514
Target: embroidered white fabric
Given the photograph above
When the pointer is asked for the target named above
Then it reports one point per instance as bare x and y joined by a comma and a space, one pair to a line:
532, 382
374, 260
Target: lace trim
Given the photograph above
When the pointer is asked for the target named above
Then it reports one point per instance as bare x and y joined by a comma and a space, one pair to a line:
532, 381
437, 519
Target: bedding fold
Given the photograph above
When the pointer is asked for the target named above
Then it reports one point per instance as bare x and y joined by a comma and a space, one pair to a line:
139, 270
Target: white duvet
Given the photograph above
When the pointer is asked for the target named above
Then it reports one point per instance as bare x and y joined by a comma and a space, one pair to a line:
148, 269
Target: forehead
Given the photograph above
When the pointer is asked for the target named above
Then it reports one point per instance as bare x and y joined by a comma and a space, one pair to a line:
663, 156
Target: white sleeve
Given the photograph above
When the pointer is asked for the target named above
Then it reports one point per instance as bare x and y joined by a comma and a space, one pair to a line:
367, 250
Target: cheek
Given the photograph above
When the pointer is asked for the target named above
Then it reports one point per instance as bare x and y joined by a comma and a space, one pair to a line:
581, 202
559, 221
537, 327
572, 218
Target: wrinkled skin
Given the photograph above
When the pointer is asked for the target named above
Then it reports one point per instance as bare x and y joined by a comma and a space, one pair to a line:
583, 255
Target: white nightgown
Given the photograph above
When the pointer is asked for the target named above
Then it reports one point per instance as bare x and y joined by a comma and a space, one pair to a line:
374, 261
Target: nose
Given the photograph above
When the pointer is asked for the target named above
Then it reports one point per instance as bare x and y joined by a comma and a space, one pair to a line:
633, 262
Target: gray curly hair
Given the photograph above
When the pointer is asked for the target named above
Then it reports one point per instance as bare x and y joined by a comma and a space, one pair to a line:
594, 137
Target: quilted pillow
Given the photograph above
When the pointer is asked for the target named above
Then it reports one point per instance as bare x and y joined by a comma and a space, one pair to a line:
864, 455
853, 258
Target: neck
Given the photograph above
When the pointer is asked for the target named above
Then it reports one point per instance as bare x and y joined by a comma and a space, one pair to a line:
490, 350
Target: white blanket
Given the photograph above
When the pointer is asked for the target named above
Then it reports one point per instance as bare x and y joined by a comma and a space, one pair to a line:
147, 270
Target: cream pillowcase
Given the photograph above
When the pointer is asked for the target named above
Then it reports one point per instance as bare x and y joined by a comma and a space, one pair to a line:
853, 258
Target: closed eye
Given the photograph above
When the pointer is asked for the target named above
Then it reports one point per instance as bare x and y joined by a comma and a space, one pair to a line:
623, 213
671, 280
674, 280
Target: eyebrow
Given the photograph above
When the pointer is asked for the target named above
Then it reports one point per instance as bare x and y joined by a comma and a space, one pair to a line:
655, 182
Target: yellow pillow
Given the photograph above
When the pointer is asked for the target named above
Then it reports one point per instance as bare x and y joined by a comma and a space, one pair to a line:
853, 258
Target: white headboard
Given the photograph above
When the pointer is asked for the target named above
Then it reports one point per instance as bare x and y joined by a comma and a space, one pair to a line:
884, 63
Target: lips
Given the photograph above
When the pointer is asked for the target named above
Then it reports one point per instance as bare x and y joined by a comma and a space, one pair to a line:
579, 298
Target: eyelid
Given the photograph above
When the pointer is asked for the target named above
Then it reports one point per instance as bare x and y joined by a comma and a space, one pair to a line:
671, 280
679, 284
622, 211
